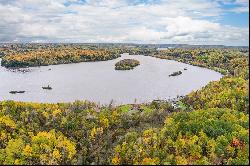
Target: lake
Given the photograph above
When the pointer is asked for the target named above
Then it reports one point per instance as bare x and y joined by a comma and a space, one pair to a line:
101, 83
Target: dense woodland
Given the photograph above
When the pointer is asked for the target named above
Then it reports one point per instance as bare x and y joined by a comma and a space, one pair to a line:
210, 126
56, 56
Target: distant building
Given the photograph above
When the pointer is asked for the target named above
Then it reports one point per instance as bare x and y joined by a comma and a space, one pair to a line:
163, 48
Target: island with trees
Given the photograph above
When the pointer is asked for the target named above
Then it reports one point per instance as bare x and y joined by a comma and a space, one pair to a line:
175, 73
126, 64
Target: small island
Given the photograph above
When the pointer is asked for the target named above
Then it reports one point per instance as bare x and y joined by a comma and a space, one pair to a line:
175, 73
126, 64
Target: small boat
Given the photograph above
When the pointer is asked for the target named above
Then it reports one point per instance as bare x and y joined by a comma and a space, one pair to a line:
14, 92
47, 87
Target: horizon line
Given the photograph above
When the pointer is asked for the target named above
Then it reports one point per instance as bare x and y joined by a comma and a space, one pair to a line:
123, 43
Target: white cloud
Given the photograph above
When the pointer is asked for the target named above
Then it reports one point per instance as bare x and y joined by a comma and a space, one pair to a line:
169, 21
186, 25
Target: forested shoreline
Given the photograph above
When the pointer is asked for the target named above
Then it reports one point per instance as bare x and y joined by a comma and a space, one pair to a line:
210, 126
56, 56
31, 55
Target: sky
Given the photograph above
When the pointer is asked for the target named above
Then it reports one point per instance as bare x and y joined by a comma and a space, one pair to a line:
209, 22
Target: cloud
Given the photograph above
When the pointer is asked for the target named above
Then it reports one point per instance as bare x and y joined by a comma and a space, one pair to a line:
162, 21
237, 6
242, 2
240, 10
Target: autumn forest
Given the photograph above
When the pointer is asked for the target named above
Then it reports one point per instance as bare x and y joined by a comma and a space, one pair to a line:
207, 126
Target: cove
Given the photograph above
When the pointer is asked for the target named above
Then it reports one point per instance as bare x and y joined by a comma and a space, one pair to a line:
101, 83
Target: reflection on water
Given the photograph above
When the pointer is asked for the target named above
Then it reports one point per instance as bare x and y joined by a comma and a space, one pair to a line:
99, 82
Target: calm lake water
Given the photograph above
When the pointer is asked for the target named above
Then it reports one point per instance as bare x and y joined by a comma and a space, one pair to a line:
100, 82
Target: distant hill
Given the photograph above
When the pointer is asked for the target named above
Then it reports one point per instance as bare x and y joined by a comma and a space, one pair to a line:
42, 45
